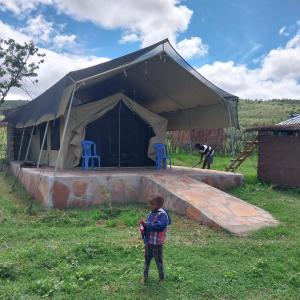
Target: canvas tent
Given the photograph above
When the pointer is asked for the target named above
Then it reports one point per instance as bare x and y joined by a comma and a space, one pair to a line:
155, 83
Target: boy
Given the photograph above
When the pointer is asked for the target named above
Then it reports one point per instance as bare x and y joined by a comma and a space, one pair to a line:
154, 233
207, 152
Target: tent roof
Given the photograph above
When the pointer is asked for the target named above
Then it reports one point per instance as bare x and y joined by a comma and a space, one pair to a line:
164, 81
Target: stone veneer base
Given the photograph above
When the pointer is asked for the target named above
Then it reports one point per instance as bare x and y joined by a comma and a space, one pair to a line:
194, 193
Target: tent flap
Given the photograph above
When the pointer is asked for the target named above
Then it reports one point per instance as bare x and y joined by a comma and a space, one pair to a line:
82, 115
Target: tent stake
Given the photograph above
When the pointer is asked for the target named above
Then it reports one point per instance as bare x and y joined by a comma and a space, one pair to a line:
43, 142
27, 152
22, 138
65, 129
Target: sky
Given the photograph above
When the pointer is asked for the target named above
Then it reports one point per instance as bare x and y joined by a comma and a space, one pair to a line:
250, 48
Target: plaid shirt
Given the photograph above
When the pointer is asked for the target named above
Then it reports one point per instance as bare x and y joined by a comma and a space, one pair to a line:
156, 227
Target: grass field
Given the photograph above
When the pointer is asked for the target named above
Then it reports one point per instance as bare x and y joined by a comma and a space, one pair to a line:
97, 253
252, 113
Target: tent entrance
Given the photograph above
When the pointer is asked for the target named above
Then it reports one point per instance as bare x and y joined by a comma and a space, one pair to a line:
122, 138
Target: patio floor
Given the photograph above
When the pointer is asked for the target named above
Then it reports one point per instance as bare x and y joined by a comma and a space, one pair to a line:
194, 193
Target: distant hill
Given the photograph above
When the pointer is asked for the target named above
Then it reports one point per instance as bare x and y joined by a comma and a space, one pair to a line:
11, 104
251, 112
257, 112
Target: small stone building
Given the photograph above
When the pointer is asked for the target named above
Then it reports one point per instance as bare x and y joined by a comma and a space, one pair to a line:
279, 154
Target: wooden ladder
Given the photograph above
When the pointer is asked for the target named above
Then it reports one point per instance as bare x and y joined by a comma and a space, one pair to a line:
242, 156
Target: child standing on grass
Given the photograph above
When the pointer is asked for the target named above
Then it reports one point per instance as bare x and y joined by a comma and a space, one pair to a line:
154, 234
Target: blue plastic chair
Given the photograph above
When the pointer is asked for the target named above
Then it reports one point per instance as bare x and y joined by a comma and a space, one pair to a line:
89, 153
161, 156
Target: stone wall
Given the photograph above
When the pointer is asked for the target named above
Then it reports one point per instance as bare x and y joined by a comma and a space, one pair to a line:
82, 189
97, 190
278, 159
183, 195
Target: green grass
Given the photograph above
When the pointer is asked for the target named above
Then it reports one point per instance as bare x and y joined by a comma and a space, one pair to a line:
248, 168
97, 253
252, 113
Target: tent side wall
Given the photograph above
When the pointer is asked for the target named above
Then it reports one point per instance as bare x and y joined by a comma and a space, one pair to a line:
214, 116
80, 117
48, 156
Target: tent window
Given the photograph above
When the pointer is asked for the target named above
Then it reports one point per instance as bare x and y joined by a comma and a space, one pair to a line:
55, 134
42, 128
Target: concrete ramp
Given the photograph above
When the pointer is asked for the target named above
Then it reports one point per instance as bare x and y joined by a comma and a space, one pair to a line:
189, 192
205, 204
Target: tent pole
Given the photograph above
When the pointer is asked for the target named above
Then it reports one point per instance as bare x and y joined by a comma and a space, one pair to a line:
22, 138
119, 164
43, 142
189, 131
65, 128
231, 131
27, 152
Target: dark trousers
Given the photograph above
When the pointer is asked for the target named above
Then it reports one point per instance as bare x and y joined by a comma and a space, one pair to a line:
154, 251
208, 161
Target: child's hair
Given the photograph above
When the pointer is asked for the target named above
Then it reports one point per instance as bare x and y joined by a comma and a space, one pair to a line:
158, 199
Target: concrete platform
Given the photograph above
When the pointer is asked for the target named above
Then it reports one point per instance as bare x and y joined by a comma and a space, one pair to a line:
194, 193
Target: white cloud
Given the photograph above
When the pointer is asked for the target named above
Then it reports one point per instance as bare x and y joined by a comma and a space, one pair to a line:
277, 76
43, 33
145, 21
6, 31
283, 31
56, 65
64, 40
295, 41
192, 47
39, 29
129, 38
149, 20
21, 7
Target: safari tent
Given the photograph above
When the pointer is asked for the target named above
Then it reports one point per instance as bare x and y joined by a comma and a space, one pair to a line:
125, 105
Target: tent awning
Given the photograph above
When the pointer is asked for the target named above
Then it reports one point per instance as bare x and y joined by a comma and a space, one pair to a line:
157, 76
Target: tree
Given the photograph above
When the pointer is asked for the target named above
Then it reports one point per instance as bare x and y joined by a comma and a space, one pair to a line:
18, 62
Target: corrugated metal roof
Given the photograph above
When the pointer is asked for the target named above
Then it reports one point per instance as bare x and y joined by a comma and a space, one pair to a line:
291, 121
289, 127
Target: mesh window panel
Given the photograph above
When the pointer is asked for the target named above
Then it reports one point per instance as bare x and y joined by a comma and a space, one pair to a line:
55, 134
42, 128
